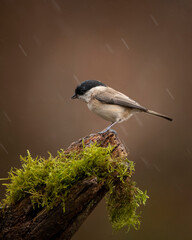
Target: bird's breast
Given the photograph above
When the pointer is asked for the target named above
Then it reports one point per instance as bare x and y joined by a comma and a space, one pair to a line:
109, 112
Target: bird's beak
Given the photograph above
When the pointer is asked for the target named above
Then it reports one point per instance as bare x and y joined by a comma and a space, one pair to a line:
74, 96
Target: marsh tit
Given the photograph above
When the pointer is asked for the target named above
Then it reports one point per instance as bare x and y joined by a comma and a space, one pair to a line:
108, 103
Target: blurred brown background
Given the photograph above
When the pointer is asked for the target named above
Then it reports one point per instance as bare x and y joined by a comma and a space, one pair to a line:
142, 48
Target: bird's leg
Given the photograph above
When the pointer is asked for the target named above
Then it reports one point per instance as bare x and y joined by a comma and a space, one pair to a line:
108, 128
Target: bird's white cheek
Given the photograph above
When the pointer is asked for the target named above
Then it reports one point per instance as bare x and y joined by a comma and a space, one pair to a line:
84, 98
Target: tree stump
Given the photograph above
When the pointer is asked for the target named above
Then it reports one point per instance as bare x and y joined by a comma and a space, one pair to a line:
22, 221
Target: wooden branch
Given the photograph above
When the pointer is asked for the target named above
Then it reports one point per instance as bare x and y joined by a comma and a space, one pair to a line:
21, 221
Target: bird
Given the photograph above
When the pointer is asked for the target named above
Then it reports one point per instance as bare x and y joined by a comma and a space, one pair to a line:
110, 104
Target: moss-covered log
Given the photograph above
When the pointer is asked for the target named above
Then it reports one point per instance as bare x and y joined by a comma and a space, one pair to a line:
51, 198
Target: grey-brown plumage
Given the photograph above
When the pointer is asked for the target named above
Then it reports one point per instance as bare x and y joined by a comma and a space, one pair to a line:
108, 103
119, 99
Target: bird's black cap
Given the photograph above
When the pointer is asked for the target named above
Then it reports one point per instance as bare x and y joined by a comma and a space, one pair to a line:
85, 86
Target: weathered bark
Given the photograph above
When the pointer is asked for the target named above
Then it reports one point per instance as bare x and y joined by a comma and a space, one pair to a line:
21, 221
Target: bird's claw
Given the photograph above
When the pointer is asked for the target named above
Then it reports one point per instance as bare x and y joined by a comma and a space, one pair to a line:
106, 130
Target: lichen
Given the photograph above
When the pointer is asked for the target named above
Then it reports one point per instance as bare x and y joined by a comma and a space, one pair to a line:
48, 181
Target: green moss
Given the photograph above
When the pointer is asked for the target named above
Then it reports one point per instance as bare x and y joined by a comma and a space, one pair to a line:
122, 204
47, 181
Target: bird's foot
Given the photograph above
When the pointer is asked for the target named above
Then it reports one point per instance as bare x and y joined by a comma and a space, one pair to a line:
113, 131
108, 130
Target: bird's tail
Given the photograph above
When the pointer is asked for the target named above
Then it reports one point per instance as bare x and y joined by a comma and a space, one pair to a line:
159, 115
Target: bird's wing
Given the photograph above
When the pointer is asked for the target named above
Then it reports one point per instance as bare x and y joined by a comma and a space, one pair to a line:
114, 97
